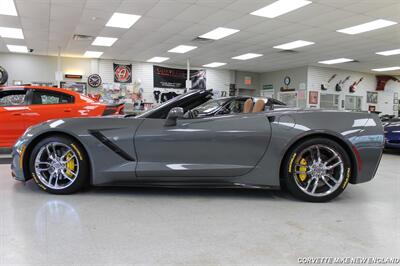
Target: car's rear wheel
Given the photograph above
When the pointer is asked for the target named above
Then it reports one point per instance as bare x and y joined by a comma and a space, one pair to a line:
59, 165
317, 170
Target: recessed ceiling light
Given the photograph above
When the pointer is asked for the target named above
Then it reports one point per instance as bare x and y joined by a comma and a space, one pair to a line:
104, 41
372, 25
93, 54
181, 49
7, 7
157, 59
14, 33
122, 20
247, 56
17, 48
386, 69
219, 33
279, 8
336, 61
389, 52
214, 64
293, 45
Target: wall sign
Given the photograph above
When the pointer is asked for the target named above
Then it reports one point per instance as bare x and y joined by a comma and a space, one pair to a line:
313, 97
247, 80
94, 80
382, 80
268, 87
73, 76
173, 78
122, 73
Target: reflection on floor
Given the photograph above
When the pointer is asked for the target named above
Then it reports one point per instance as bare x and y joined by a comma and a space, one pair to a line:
196, 226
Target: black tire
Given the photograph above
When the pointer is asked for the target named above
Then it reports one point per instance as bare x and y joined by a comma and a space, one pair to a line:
3, 76
293, 163
81, 163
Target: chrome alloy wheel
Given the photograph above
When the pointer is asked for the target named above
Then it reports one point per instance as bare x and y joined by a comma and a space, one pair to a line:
56, 165
320, 171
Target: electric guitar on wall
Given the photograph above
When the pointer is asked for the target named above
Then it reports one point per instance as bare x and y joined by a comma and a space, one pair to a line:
329, 80
352, 88
339, 85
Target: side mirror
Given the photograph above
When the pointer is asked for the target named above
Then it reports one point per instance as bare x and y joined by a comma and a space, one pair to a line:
173, 115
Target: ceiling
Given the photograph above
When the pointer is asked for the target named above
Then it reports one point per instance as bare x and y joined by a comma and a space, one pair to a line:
49, 24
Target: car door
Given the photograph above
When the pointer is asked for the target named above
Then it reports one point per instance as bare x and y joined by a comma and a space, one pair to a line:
47, 104
217, 147
13, 107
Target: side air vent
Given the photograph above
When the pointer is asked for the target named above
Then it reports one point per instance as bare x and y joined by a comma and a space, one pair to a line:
81, 37
288, 52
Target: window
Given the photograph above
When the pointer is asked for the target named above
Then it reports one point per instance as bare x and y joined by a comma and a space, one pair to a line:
51, 97
329, 101
12, 97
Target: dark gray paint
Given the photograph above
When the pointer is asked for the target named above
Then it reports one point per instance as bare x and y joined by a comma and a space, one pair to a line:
243, 149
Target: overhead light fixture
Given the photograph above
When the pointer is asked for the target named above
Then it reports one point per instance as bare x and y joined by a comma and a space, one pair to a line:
104, 41
280, 7
122, 20
336, 61
247, 56
157, 59
386, 69
93, 54
389, 52
214, 64
14, 33
181, 49
218, 33
7, 7
373, 25
293, 45
17, 48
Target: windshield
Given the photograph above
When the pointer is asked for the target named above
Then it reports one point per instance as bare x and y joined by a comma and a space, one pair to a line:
210, 106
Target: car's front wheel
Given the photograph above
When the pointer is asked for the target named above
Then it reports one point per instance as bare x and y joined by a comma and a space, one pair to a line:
317, 170
59, 165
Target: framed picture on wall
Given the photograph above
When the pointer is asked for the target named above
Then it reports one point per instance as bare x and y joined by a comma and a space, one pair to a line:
372, 108
372, 97
313, 97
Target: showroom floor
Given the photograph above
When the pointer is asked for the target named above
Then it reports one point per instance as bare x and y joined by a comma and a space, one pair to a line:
110, 226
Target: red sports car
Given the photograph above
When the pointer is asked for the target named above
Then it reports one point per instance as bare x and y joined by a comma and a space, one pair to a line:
24, 106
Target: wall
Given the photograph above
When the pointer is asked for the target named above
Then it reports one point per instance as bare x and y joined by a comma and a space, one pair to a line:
29, 68
319, 75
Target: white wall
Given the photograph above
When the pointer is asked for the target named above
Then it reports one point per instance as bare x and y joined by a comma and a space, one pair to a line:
29, 68
320, 75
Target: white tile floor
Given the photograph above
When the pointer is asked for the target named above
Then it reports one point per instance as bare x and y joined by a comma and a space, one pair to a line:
111, 226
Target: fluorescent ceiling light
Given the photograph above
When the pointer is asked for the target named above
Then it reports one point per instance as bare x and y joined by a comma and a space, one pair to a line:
17, 48
293, 45
214, 64
389, 52
247, 56
218, 33
157, 59
93, 54
386, 69
181, 49
104, 41
279, 8
121, 20
14, 33
7, 7
336, 61
373, 25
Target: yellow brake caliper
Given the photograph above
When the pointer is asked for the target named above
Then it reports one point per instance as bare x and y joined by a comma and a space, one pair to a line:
70, 165
303, 170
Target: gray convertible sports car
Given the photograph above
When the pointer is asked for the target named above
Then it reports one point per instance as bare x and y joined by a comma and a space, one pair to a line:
313, 153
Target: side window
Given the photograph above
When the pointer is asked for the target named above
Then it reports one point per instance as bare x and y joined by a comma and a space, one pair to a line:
12, 98
50, 97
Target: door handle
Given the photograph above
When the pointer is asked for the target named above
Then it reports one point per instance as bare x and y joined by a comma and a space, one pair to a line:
67, 110
16, 114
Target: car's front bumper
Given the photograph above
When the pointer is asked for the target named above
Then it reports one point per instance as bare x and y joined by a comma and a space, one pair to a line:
17, 163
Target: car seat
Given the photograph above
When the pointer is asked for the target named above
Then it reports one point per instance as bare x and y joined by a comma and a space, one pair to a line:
248, 106
259, 106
